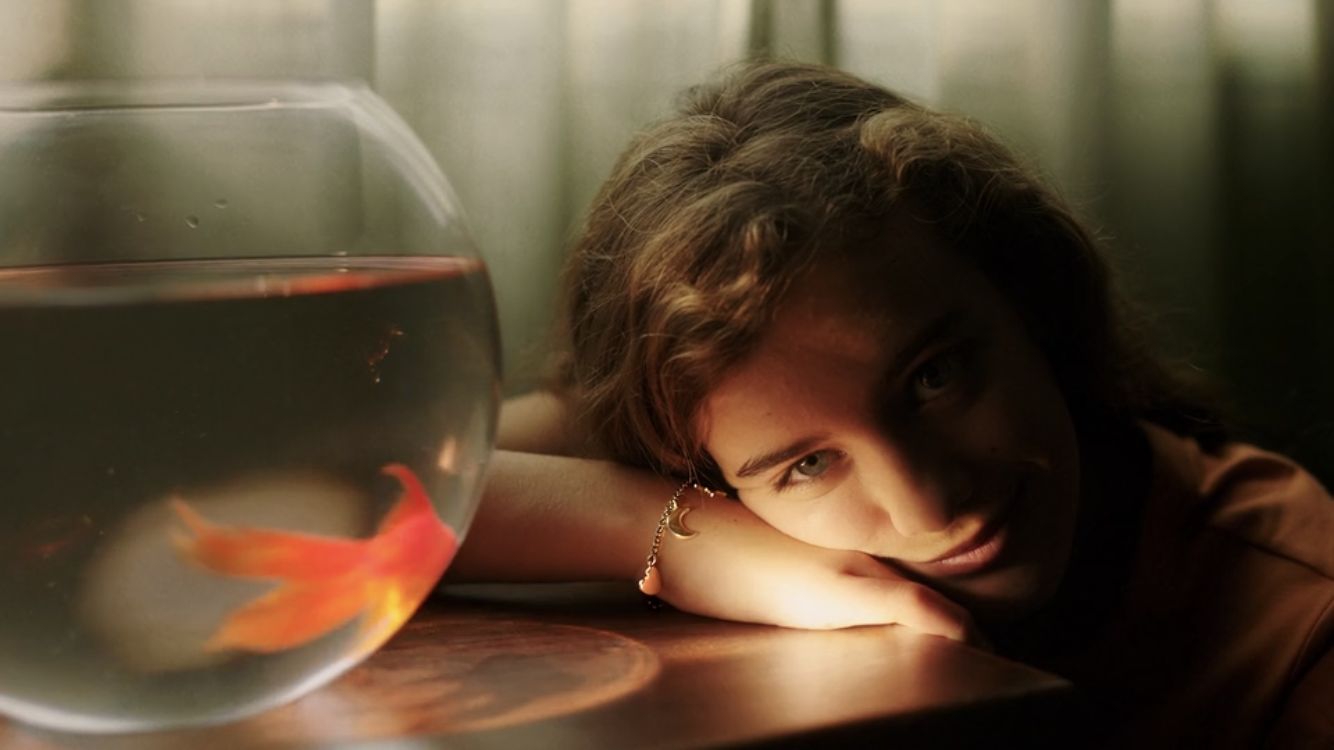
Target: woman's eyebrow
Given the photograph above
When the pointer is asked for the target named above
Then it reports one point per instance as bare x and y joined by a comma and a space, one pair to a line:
937, 328
760, 464
934, 329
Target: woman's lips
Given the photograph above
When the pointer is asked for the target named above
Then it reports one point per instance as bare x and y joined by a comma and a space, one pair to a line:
978, 552
974, 555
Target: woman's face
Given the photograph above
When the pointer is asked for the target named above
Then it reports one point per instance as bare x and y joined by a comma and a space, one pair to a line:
907, 414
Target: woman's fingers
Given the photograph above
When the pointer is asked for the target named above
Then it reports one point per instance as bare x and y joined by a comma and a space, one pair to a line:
915, 606
847, 600
739, 568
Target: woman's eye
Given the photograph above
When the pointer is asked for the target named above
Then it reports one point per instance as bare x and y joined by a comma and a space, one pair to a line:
937, 375
809, 468
813, 465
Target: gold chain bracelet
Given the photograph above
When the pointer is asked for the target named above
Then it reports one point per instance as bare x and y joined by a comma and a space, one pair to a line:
673, 518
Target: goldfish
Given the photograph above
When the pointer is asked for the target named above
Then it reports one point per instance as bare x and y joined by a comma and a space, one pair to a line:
324, 582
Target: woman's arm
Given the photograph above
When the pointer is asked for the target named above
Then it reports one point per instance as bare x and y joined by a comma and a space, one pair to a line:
550, 511
560, 518
568, 518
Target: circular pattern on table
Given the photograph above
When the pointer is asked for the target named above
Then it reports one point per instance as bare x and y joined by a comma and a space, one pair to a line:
432, 681
438, 676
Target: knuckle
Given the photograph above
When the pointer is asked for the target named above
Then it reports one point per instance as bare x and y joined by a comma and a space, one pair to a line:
921, 598
938, 614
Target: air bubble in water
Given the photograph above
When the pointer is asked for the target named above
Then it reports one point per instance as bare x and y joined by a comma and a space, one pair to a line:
192, 221
220, 203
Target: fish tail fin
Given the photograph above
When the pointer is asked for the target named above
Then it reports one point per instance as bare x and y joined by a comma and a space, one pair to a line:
289, 616
411, 504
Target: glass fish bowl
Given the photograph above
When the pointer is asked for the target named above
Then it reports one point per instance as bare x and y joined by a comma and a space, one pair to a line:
249, 388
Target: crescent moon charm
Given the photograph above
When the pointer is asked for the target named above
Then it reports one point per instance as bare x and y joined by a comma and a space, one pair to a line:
676, 523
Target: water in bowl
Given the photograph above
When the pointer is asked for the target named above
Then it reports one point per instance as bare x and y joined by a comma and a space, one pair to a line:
206, 474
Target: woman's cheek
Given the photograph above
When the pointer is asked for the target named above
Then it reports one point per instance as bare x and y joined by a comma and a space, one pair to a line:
834, 520
1015, 416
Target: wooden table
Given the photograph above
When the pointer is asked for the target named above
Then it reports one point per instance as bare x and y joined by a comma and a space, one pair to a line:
588, 666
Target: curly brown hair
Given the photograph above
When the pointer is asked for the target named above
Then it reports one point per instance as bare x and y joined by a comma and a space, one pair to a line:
709, 216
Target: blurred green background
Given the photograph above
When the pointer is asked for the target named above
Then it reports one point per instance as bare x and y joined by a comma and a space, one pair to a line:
1197, 136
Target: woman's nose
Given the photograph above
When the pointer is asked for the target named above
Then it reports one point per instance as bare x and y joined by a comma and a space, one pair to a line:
917, 492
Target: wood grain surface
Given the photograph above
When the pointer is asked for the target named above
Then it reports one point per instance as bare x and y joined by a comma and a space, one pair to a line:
587, 665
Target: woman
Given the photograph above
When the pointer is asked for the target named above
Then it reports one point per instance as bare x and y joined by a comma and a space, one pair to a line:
902, 355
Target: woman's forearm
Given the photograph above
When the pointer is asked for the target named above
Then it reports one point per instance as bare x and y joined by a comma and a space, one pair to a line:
556, 518
546, 517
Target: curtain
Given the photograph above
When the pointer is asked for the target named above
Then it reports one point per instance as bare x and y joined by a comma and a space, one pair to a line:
1194, 135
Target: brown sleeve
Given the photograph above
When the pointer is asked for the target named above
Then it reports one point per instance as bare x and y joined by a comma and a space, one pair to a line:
1307, 718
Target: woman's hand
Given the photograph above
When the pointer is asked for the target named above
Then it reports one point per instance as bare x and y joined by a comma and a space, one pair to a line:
737, 567
557, 518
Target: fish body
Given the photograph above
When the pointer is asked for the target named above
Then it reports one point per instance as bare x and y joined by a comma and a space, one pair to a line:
324, 582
